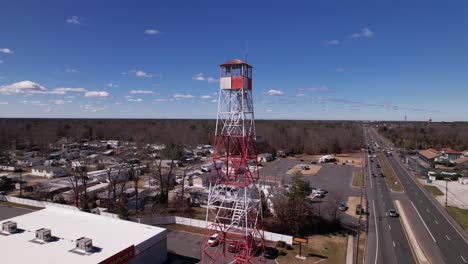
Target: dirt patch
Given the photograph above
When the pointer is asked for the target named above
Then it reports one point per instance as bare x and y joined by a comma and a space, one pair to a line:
352, 202
354, 159
313, 169
321, 248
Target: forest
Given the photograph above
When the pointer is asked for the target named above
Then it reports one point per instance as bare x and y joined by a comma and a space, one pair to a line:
311, 137
423, 135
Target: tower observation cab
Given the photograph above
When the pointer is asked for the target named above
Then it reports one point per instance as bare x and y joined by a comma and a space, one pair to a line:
235, 75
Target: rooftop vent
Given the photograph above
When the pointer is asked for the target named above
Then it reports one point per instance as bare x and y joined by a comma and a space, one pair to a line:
85, 244
9, 227
44, 234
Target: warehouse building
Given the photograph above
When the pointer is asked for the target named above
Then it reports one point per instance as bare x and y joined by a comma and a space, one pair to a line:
56, 235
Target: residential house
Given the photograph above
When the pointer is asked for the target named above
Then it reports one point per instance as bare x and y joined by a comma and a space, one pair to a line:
429, 156
48, 171
451, 154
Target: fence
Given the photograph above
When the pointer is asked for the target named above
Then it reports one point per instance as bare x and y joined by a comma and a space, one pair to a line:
163, 220
166, 220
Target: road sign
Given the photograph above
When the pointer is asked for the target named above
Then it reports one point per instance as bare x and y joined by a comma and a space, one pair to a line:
300, 240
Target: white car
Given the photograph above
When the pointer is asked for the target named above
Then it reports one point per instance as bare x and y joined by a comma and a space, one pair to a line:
213, 240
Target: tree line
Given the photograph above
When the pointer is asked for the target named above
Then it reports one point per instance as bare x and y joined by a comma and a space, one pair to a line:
311, 137
423, 135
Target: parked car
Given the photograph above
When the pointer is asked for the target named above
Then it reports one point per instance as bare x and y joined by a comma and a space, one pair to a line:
342, 207
270, 253
382, 175
213, 240
392, 213
373, 174
319, 191
233, 246
378, 166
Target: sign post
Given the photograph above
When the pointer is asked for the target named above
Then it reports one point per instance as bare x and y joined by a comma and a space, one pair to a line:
300, 240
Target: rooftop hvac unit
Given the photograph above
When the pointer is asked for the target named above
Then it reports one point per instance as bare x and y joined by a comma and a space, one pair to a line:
85, 244
43, 234
9, 227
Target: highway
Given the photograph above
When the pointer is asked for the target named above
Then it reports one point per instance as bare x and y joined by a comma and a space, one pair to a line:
388, 236
443, 231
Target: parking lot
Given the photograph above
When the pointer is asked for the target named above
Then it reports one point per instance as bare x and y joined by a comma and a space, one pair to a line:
7, 212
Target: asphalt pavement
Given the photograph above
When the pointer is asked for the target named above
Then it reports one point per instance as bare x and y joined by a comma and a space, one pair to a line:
444, 232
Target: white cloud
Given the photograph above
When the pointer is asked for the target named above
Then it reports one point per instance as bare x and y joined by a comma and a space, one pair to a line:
6, 50
212, 80
201, 77
71, 70
333, 42
198, 77
73, 20
274, 92
3, 103
1, 61
152, 31
143, 74
268, 110
22, 87
112, 85
37, 103
96, 94
141, 92
64, 90
340, 70
47, 110
137, 100
300, 95
183, 96
363, 33
92, 108
205, 97
59, 102
163, 100
214, 100
316, 89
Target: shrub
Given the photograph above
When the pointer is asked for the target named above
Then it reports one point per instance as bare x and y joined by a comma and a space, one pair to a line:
282, 253
289, 247
280, 244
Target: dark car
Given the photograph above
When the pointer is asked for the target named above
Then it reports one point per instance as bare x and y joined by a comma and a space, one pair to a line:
378, 166
342, 207
382, 175
392, 213
270, 253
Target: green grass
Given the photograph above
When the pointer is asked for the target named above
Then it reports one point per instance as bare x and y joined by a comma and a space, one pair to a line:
434, 190
358, 178
390, 176
461, 215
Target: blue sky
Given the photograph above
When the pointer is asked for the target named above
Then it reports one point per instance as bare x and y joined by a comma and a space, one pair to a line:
356, 60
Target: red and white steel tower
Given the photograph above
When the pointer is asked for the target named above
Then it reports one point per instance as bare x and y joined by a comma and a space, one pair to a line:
234, 213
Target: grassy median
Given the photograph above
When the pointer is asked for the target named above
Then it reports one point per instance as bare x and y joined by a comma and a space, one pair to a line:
434, 190
461, 215
390, 176
358, 178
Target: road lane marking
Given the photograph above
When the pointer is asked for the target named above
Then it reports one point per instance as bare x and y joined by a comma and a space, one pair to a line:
393, 243
423, 222
376, 232
427, 210
389, 227
430, 200
448, 238
436, 222
463, 258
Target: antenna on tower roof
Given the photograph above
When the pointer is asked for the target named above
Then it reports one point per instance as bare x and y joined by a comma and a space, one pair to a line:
246, 50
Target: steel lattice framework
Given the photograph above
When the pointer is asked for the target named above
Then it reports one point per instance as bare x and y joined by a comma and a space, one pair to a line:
234, 201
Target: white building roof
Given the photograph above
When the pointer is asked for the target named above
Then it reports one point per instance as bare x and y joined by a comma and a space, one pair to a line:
109, 235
